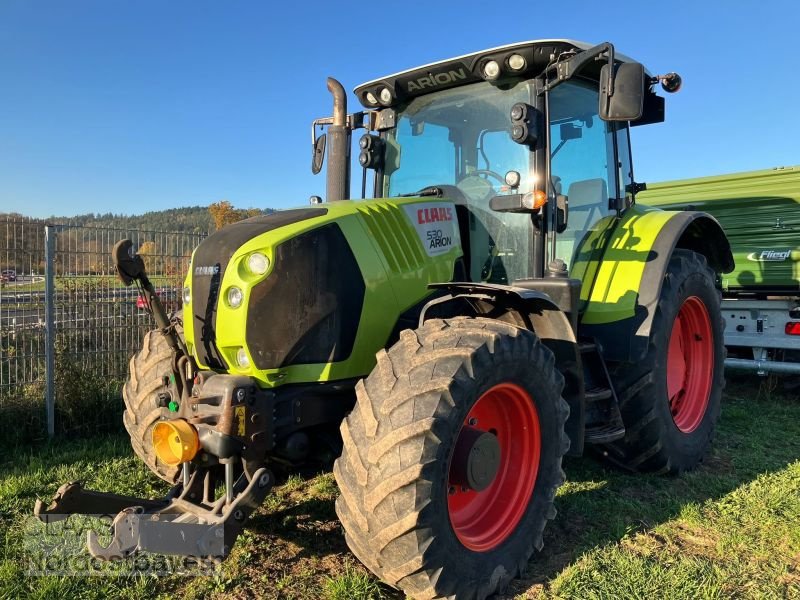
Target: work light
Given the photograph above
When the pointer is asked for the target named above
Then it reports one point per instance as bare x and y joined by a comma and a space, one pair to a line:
386, 96
491, 70
516, 62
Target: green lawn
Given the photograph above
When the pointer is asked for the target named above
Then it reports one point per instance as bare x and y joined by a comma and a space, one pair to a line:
730, 529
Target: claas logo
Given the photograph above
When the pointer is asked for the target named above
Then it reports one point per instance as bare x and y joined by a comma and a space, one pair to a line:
434, 215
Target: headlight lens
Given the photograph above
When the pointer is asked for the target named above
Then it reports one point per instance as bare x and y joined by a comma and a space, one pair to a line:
241, 358
187, 295
257, 263
235, 297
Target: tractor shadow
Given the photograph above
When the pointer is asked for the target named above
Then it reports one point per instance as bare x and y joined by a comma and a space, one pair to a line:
599, 504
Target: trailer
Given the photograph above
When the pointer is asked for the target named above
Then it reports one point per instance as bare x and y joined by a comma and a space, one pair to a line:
760, 213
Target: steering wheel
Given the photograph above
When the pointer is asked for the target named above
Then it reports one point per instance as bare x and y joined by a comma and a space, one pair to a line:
489, 172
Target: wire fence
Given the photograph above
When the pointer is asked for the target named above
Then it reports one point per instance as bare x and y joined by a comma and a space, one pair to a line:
68, 326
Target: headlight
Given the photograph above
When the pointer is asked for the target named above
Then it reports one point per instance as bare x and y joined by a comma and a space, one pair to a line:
235, 297
187, 295
257, 263
241, 358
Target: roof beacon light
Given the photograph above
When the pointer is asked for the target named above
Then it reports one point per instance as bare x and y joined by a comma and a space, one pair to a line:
491, 70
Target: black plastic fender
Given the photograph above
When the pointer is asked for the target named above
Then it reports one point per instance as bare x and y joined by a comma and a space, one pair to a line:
537, 312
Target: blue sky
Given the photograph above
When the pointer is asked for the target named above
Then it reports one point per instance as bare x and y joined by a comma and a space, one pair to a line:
123, 106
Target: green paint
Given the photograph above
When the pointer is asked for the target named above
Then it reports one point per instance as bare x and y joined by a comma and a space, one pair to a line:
173, 406
393, 262
759, 211
611, 262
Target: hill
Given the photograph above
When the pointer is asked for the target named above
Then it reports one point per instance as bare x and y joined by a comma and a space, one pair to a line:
190, 219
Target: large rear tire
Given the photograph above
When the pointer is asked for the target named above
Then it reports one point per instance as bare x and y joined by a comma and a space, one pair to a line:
418, 508
147, 370
670, 400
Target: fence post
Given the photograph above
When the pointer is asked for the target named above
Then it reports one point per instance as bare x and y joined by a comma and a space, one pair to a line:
50, 333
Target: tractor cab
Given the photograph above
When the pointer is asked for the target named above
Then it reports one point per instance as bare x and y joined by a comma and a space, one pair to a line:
526, 140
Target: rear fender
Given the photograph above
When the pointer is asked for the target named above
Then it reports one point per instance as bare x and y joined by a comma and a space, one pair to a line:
618, 305
537, 312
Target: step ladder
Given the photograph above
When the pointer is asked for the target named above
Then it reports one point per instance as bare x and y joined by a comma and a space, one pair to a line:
603, 418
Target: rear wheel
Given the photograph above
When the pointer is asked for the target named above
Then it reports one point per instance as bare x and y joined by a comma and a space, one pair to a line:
452, 457
670, 401
147, 370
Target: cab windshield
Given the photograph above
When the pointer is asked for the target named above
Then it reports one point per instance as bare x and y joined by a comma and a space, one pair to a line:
459, 140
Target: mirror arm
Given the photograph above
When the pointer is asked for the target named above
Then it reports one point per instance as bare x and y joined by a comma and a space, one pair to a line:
567, 69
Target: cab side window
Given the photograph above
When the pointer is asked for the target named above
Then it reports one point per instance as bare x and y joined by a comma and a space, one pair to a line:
583, 165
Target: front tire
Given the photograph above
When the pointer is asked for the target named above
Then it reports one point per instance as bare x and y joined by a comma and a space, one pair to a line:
147, 370
409, 502
670, 400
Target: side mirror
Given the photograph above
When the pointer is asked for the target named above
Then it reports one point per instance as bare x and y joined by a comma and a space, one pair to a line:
627, 85
127, 263
318, 154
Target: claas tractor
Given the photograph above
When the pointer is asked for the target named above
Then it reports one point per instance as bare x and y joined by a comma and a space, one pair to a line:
503, 301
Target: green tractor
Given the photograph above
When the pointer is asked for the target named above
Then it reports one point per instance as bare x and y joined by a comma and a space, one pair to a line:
501, 303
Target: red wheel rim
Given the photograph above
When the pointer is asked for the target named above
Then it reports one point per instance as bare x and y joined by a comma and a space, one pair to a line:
483, 520
690, 364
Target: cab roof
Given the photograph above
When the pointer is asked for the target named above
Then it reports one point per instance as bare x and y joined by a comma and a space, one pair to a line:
537, 55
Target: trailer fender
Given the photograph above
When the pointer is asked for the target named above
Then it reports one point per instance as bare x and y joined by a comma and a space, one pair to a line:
619, 303
537, 312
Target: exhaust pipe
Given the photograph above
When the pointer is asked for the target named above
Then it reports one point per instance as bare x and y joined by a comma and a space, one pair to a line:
338, 174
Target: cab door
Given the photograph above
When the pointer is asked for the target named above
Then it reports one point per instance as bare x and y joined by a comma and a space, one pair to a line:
590, 165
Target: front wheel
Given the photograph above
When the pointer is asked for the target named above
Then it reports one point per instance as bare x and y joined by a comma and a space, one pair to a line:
670, 400
452, 457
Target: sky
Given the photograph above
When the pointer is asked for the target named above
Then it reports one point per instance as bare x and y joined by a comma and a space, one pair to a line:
132, 106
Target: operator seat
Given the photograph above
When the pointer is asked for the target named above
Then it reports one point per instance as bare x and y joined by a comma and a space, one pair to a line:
588, 203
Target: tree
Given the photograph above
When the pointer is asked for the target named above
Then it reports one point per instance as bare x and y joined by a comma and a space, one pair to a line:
223, 213
149, 254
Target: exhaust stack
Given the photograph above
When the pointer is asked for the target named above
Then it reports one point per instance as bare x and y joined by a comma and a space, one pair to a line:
338, 174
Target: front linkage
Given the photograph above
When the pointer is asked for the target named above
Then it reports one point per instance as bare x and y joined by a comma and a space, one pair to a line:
219, 430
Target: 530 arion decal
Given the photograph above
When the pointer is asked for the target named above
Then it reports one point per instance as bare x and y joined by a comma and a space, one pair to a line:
436, 226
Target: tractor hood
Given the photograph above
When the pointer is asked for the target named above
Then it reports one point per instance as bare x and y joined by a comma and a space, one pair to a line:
337, 279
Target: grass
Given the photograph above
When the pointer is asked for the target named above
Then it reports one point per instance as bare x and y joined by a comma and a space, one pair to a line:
729, 529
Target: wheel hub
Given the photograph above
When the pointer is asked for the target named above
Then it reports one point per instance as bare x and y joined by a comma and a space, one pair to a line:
493, 467
476, 459
690, 364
